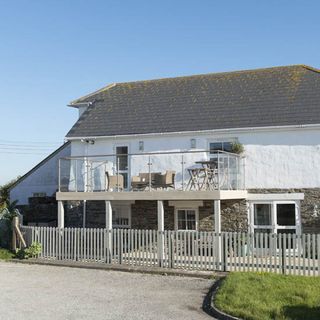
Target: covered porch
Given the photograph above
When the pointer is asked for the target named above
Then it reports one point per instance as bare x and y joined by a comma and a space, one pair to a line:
157, 210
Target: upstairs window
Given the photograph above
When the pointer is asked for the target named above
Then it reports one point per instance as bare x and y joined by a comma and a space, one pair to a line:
220, 146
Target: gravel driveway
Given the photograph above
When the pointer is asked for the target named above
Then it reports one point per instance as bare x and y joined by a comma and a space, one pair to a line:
46, 292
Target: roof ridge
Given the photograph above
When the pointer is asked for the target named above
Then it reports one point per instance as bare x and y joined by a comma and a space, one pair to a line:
222, 72
109, 86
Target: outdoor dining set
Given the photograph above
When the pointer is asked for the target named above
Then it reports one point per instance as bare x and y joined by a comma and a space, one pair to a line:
202, 176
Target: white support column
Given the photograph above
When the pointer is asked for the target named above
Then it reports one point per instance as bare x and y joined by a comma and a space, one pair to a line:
108, 215
60, 214
217, 228
217, 216
109, 232
84, 213
160, 233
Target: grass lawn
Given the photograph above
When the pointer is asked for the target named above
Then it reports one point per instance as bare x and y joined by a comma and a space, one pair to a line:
5, 254
261, 296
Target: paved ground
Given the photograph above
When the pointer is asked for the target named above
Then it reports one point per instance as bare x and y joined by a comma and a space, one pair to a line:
45, 292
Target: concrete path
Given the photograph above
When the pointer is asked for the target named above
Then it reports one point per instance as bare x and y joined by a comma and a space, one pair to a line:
45, 292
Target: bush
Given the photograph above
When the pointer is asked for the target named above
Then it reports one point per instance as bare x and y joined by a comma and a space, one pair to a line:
237, 147
5, 254
31, 252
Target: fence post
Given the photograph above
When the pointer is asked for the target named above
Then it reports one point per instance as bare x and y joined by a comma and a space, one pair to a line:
224, 251
120, 246
14, 237
160, 233
283, 253
171, 251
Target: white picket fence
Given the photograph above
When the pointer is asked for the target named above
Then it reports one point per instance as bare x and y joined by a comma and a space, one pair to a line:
280, 253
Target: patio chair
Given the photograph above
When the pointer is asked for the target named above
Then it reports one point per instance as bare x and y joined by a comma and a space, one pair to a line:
114, 183
167, 180
141, 182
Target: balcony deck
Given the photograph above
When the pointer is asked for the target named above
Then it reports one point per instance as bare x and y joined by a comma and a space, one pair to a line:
154, 195
190, 175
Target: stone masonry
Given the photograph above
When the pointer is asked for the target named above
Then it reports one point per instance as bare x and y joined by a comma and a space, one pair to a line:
234, 213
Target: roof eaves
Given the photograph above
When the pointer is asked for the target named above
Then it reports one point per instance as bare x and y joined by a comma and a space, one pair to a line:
76, 102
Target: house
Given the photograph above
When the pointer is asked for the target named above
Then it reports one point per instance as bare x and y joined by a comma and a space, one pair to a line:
233, 151
35, 191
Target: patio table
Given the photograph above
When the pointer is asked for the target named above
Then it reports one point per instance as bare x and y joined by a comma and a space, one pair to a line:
204, 177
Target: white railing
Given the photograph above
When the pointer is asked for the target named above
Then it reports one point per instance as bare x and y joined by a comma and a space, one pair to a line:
279, 253
188, 171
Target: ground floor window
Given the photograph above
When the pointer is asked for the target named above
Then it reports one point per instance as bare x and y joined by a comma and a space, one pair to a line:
121, 216
186, 219
275, 217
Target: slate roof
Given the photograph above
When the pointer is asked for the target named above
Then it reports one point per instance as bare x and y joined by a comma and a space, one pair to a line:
277, 96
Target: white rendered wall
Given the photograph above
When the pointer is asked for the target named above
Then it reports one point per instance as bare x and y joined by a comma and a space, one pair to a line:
43, 179
273, 159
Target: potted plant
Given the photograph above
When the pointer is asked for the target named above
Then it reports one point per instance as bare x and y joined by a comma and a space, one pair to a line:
237, 147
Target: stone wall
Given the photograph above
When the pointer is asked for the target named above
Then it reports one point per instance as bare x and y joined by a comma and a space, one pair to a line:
144, 215
234, 216
40, 211
310, 206
73, 214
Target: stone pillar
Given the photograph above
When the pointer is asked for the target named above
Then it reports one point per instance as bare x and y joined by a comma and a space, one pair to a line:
160, 233
217, 228
60, 214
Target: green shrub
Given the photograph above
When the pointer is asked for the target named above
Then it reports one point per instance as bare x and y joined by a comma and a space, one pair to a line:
31, 252
237, 147
5, 254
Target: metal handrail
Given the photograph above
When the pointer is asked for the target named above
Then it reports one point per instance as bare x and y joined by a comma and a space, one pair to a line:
151, 153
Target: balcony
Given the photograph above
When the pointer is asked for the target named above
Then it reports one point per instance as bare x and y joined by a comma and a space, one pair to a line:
191, 171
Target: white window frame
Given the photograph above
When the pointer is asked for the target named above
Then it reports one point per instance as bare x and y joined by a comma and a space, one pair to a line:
274, 227
122, 206
128, 171
220, 140
176, 209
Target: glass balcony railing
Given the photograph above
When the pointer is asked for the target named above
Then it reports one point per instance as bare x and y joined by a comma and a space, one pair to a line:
185, 171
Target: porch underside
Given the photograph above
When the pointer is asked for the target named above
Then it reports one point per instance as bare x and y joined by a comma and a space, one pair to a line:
154, 195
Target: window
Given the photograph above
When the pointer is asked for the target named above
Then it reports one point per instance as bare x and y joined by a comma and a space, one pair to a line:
193, 143
121, 216
275, 217
220, 146
39, 194
122, 163
141, 146
286, 214
262, 214
186, 219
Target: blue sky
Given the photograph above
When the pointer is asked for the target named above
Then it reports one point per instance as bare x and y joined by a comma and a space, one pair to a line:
55, 51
